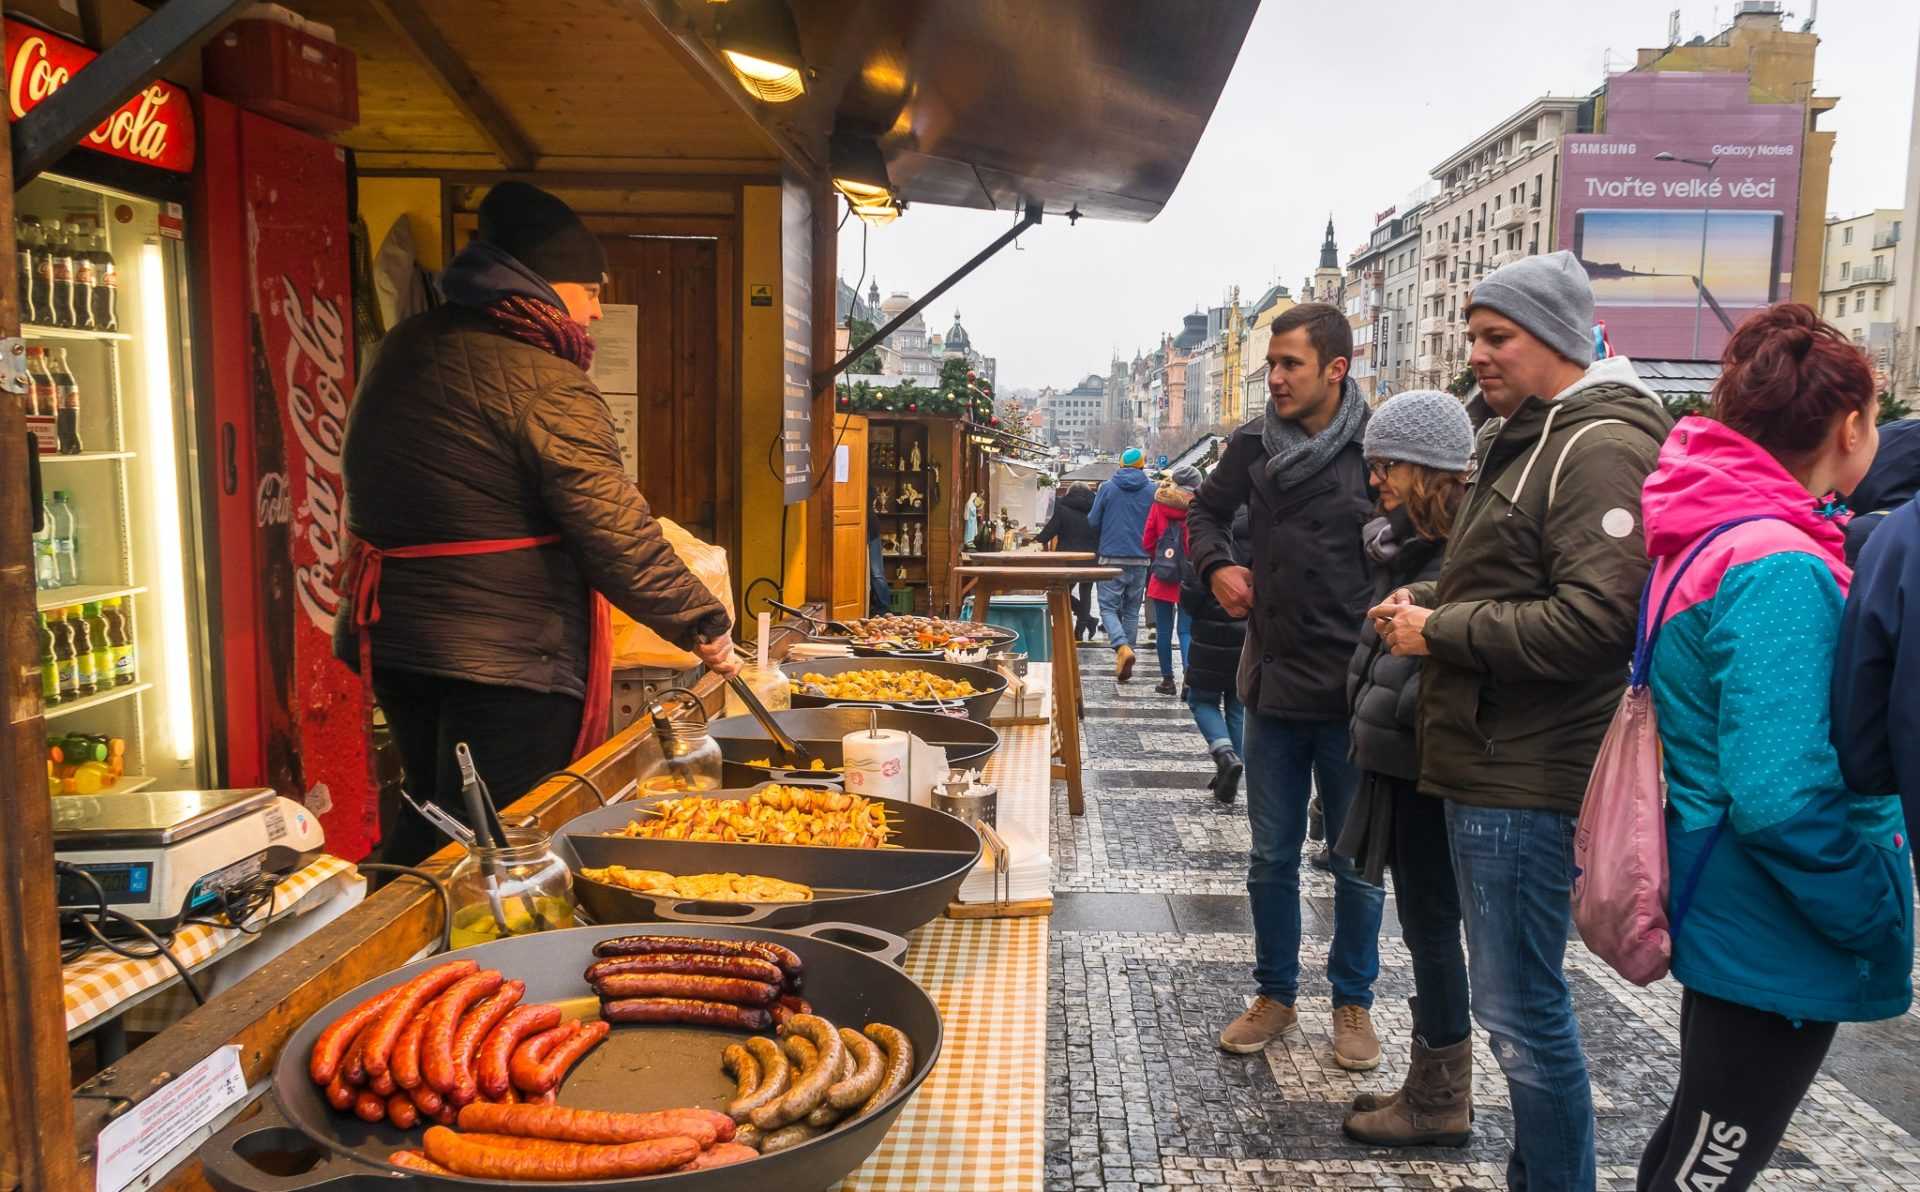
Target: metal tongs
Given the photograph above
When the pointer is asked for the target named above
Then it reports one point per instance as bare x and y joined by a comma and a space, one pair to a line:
825, 622
798, 758
1002, 860
490, 835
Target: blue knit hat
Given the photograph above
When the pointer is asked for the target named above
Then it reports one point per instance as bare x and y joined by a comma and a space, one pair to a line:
1133, 457
1421, 426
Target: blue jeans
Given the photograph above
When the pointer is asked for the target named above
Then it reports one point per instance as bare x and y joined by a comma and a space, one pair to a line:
1285, 759
1166, 613
1120, 603
1515, 871
1219, 729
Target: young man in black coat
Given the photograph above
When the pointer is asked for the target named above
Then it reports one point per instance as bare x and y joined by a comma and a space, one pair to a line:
1300, 471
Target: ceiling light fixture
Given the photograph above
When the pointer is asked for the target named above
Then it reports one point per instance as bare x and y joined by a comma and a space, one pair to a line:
761, 44
859, 173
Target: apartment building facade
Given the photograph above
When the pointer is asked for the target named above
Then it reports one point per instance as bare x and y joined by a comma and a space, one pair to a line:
1857, 276
1382, 303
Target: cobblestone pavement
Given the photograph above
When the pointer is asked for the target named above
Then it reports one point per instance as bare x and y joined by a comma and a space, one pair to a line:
1150, 957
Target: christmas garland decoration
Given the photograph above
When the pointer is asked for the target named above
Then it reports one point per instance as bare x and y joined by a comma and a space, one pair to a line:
960, 393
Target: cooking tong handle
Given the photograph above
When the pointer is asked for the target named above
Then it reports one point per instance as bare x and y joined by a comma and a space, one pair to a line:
269, 1133
881, 945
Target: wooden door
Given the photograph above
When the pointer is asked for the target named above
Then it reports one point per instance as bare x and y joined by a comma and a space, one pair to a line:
849, 596
686, 472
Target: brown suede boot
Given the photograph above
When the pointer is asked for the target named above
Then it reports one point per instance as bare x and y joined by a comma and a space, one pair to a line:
1433, 1108
1364, 1102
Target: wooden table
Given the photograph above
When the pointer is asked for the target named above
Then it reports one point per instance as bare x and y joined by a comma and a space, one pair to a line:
1028, 558
1057, 582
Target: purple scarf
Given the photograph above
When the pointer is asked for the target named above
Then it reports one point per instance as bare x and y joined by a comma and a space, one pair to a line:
543, 325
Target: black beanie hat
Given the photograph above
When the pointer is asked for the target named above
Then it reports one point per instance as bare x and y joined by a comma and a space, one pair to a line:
542, 233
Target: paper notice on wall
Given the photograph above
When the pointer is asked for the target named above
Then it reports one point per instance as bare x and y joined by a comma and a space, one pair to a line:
147, 1133
626, 418
616, 348
842, 464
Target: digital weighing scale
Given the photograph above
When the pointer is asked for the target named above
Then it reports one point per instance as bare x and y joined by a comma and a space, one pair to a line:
163, 855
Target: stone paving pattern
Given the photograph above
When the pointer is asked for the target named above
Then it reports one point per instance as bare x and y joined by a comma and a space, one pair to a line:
1151, 951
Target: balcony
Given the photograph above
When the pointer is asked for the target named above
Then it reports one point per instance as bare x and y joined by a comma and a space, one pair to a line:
1426, 363
1514, 215
1433, 324
1887, 239
1437, 251
1505, 258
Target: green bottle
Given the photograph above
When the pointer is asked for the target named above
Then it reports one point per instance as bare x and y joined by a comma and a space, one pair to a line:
89, 679
102, 649
49, 666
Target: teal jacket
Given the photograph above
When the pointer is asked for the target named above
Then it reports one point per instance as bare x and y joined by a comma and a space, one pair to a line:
1801, 890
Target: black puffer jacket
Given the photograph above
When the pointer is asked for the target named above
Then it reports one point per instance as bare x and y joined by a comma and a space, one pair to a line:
1217, 636
1383, 689
1069, 521
1310, 575
461, 433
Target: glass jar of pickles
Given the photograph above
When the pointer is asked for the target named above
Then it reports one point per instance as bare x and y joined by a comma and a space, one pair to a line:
693, 760
518, 888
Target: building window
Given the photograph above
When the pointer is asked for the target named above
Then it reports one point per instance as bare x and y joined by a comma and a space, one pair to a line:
1859, 302
1846, 235
1876, 300
1879, 265
1846, 267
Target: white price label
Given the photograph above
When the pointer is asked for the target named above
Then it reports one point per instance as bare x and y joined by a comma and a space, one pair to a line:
145, 1134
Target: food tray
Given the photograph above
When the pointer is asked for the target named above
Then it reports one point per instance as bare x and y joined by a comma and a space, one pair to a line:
989, 685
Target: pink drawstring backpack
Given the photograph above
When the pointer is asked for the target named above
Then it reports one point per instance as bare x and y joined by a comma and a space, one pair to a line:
1620, 842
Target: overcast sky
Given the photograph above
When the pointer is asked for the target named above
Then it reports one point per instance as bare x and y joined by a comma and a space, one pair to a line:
1384, 89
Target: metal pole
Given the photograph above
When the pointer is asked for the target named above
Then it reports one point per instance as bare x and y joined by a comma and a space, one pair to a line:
1700, 282
860, 349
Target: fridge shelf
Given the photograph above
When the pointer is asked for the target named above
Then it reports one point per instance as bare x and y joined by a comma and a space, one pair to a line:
95, 700
43, 331
130, 784
84, 457
73, 594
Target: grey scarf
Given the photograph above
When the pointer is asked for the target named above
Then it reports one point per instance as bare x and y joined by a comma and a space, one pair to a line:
1294, 456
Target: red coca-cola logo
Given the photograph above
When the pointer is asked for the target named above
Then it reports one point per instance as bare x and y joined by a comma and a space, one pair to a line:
154, 128
315, 369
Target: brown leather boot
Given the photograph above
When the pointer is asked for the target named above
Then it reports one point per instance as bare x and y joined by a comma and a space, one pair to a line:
1434, 1106
1363, 1102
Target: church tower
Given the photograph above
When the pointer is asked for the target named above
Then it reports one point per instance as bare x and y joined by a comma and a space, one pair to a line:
1326, 284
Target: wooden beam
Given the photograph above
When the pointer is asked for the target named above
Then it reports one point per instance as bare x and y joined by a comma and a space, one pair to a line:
414, 27
36, 1113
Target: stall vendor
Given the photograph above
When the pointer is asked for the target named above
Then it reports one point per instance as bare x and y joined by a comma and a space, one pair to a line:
494, 521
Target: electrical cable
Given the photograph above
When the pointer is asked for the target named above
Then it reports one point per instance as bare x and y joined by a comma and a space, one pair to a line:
101, 913
577, 776
432, 879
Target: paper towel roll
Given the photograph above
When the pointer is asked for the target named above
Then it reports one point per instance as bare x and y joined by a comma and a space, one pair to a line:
877, 763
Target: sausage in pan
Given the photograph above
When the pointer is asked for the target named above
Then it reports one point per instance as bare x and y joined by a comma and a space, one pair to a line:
736, 1061
897, 1069
562, 1124
383, 1084
776, 1076
523, 1067
426, 1100
415, 1161
402, 1112
868, 1066
687, 964
686, 1010
725, 1154
785, 1137
404, 1067
353, 1069
640, 945
331, 1046
414, 996
490, 1071
787, 1007
811, 1087
803, 1055
565, 1055
713, 989
474, 1026
369, 1106
748, 1135
436, 1047
340, 1094
488, 1157
825, 1114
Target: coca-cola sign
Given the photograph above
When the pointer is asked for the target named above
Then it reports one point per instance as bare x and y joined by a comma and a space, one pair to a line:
314, 374
154, 128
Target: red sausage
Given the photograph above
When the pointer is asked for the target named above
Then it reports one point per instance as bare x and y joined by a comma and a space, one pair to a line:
744, 968
594, 1125
677, 1009
369, 1107
340, 1094
640, 945
383, 1084
492, 1157
491, 1069
565, 1055
354, 1068
478, 1022
414, 996
712, 989
402, 1112
428, 1102
523, 1069
415, 1161
722, 1155
436, 1046
404, 1067
331, 1045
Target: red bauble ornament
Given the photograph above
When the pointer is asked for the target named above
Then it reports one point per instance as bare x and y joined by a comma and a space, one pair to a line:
993, 422
913, 407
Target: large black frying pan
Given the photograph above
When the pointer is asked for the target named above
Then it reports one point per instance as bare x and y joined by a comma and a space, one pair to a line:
894, 889
828, 630
300, 1144
988, 685
742, 740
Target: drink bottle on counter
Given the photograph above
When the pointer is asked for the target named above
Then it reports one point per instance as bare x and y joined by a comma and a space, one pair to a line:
119, 639
43, 403
106, 285
46, 565
96, 622
86, 274
67, 398
66, 540
49, 665
88, 680
64, 663
60, 251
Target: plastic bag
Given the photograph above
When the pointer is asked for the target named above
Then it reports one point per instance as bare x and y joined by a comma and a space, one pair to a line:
634, 645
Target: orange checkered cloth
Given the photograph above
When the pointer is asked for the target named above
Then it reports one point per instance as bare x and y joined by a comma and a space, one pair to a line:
977, 1124
100, 980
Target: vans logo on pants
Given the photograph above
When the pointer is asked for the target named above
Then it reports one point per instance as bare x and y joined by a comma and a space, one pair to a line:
1713, 1156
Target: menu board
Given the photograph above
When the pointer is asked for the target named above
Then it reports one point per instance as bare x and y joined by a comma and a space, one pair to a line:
796, 266
616, 373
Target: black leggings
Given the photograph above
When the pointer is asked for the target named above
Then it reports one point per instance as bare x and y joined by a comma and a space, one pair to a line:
516, 735
1742, 1074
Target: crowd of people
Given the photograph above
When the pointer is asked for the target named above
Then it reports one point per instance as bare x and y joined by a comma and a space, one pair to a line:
1428, 625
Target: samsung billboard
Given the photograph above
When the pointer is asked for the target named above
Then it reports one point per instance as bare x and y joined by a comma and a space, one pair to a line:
1683, 212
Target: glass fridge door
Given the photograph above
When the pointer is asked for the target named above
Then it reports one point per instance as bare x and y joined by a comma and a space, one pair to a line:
121, 594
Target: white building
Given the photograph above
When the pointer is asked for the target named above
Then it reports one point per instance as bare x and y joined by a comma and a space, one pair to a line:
1073, 416
1857, 280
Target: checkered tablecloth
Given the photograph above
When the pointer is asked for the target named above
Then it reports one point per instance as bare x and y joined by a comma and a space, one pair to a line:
977, 1124
1020, 770
100, 980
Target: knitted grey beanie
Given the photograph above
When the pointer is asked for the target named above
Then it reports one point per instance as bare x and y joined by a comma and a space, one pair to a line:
1549, 296
1421, 426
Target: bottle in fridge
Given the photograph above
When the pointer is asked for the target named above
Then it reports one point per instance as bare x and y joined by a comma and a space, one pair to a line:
67, 396
97, 636
60, 250
66, 540
87, 675
64, 662
46, 565
43, 403
106, 285
119, 639
26, 245
86, 273
38, 302
49, 665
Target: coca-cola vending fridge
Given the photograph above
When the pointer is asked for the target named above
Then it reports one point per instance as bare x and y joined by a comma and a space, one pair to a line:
122, 616
271, 239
